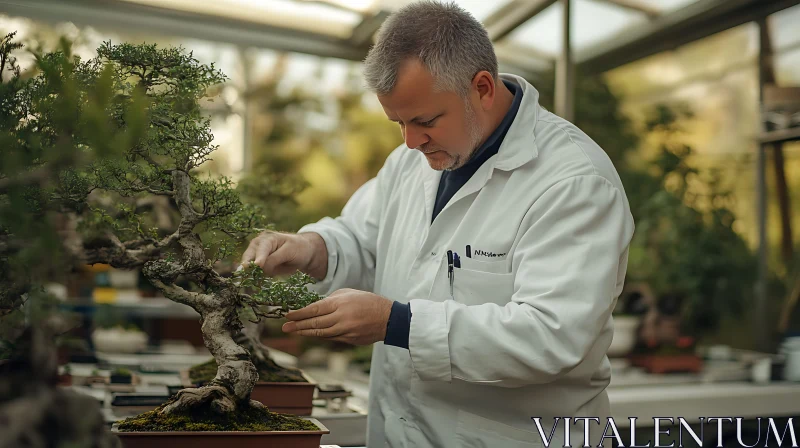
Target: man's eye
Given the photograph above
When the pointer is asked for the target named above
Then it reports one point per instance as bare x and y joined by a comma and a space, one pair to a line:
428, 123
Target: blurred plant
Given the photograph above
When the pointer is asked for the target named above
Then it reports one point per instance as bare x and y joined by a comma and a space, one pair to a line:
685, 245
310, 153
51, 125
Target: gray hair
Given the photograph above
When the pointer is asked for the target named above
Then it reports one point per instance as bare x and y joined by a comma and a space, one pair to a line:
449, 42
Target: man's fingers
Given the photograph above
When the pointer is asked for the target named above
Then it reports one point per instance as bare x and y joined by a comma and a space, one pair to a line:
314, 323
263, 251
330, 332
277, 257
250, 254
324, 306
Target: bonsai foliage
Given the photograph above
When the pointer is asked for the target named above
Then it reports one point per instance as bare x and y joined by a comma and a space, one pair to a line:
85, 144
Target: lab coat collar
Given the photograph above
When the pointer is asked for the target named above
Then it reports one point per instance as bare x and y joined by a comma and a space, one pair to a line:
519, 146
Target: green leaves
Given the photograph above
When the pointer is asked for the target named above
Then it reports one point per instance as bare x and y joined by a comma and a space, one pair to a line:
290, 294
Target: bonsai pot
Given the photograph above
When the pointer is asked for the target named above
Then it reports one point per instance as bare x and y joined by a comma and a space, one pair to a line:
121, 379
294, 398
285, 398
119, 340
660, 364
625, 335
65, 379
215, 439
123, 279
95, 379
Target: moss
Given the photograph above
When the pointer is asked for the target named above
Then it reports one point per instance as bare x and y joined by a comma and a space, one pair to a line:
121, 372
204, 419
267, 371
203, 373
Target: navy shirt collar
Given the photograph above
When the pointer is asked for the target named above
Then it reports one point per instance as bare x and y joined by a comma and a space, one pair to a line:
492, 144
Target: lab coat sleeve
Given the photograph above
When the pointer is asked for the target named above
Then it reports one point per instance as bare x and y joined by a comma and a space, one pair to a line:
567, 263
351, 238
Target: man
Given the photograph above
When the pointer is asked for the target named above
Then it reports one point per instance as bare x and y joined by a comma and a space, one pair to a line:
484, 260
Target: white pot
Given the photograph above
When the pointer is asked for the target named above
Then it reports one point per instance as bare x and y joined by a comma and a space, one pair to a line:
624, 335
123, 279
791, 350
338, 363
118, 340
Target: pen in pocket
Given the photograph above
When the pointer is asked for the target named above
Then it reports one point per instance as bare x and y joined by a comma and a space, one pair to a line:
450, 274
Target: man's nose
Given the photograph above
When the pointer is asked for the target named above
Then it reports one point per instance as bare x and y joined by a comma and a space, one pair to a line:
415, 139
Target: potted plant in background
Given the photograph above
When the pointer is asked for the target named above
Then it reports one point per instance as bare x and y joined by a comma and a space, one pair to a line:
685, 247
121, 376
145, 102
627, 318
112, 334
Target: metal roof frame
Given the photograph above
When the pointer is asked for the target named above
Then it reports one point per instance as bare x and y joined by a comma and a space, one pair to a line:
116, 14
661, 33
670, 31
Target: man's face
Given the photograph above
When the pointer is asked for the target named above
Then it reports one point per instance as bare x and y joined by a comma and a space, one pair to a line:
441, 125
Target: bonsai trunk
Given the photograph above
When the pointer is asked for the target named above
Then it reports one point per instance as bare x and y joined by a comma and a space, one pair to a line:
268, 369
236, 375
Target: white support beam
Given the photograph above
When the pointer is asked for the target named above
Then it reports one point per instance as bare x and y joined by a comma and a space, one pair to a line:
524, 56
122, 15
506, 19
636, 5
565, 71
363, 32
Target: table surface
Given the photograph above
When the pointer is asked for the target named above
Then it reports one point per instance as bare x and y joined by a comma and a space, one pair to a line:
632, 393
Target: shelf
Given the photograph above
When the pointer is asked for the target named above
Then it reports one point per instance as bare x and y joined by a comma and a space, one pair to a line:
145, 308
780, 136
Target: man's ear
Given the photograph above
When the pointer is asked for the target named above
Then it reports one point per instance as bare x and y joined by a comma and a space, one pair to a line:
484, 86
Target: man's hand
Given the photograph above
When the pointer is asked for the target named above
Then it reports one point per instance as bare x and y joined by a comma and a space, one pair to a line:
347, 315
285, 253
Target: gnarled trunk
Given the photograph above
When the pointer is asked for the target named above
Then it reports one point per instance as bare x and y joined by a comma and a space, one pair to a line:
236, 375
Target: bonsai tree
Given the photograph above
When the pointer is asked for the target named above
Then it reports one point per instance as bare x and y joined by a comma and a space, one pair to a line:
147, 110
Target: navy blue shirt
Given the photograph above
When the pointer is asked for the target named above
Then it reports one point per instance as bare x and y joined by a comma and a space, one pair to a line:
399, 325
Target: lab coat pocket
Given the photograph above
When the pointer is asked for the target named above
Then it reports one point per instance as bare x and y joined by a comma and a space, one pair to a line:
479, 287
494, 267
474, 431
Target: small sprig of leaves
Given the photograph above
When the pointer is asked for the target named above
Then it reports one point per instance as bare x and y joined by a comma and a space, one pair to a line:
273, 298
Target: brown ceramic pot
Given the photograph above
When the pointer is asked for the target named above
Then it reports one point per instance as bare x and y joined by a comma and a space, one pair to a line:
285, 398
216, 439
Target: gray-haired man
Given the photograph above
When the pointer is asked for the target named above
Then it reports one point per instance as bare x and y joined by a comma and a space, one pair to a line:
484, 259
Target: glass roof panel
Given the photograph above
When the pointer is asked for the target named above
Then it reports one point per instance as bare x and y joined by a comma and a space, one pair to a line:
593, 22
784, 29
666, 5
301, 15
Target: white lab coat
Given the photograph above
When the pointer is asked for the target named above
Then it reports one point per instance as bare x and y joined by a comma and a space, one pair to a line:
526, 330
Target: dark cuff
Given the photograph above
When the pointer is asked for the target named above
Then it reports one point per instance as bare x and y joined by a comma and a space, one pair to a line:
399, 325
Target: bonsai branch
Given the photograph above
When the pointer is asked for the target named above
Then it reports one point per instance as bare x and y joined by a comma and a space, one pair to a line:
196, 300
182, 186
149, 189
